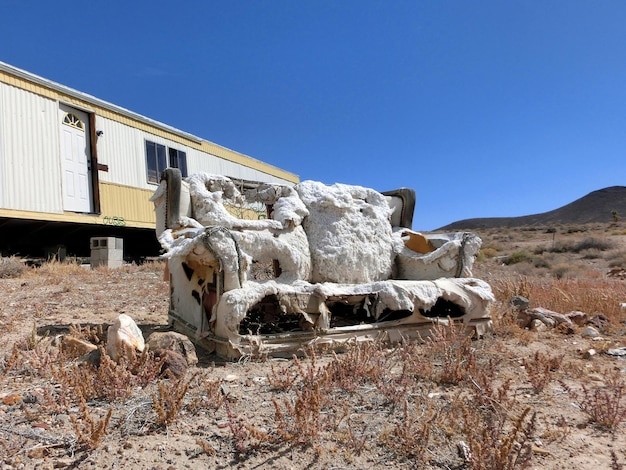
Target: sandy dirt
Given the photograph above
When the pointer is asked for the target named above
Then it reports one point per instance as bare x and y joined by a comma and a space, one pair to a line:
228, 415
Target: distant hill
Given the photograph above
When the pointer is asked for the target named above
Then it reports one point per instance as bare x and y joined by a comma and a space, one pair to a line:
596, 206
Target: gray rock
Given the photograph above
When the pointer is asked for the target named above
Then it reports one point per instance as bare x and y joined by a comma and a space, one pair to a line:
590, 332
519, 302
616, 352
578, 318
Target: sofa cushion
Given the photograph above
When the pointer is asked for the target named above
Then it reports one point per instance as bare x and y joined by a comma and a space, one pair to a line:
350, 236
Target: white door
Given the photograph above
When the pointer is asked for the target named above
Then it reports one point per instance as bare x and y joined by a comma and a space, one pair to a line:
75, 153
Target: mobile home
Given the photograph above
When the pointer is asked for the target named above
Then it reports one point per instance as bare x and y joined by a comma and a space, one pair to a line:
73, 166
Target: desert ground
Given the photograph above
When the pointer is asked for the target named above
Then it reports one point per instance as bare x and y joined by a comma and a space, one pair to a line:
545, 395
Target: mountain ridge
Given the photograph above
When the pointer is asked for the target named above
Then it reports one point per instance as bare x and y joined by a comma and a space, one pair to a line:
597, 206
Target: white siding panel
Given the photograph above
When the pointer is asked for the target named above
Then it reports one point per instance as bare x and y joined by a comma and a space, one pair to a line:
123, 149
3, 130
31, 168
203, 162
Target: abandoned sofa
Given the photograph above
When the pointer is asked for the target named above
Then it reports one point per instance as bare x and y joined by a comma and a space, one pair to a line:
269, 269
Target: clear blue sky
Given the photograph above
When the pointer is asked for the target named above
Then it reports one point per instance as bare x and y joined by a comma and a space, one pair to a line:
486, 108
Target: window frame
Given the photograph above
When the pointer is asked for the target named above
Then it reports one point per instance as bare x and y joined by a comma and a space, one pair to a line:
159, 157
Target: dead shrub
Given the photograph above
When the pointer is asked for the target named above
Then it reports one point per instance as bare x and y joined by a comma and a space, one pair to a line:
564, 270
283, 379
92, 334
488, 390
518, 257
301, 420
605, 406
168, 400
245, 436
410, 437
539, 369
450, 347
588, 243
362, 362
11, 267
497, 442
209, 393
89, 430
109, 380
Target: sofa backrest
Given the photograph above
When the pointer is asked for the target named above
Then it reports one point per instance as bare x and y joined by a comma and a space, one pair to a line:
350, 236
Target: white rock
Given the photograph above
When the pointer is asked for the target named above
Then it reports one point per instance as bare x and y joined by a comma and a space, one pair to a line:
589, 353
590, 332
538, 325
124, 335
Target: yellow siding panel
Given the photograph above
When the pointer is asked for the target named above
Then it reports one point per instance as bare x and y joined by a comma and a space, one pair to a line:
126, 204
72, 217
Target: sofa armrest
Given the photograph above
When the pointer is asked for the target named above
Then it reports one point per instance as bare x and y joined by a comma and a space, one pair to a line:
402, 202
171, 200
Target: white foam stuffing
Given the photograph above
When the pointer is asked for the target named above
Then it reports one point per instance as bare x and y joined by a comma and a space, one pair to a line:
473, 295
350, 237
208, 194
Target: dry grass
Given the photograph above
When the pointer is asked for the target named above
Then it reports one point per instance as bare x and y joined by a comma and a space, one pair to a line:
507, 397
11, 267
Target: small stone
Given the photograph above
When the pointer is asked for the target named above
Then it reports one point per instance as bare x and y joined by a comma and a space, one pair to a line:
464, 451
29, 399
540, 451
37, 453
590, 332
93, 358
62, 463
538, 325
12, 399
589, 353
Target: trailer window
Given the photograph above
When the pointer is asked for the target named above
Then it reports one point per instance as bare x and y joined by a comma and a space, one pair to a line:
178, 159
158, 158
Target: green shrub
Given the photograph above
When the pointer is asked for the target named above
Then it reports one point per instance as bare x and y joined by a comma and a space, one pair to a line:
487, 253
592, 243
589, 243
518, 257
